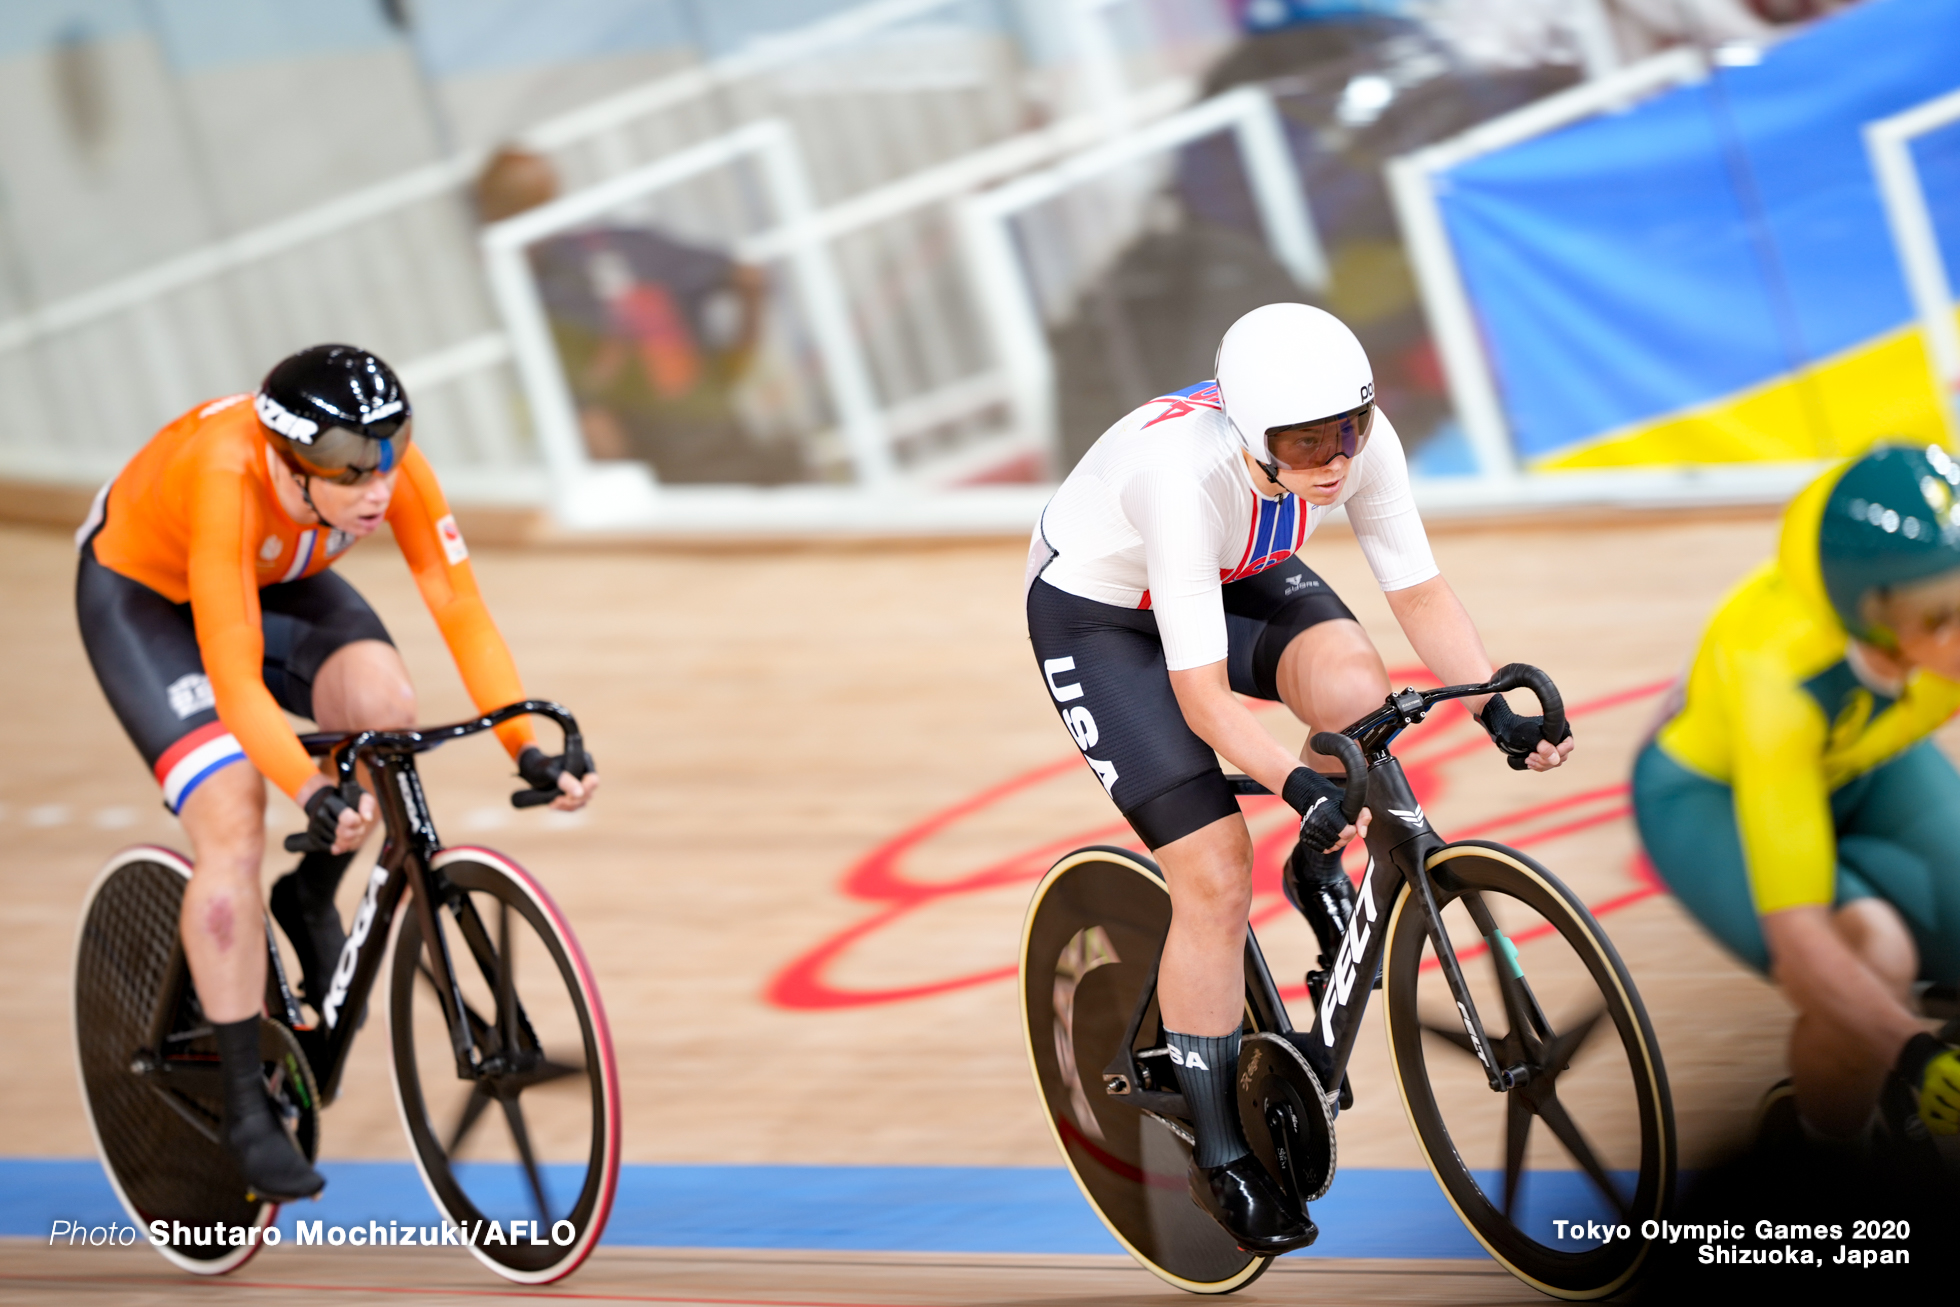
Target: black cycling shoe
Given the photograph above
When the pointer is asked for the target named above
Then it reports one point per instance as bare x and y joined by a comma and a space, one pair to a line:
314, 928
1244, 1199
273, 1168
1320, 891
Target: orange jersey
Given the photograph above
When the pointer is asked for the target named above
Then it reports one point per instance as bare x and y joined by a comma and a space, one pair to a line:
193, 516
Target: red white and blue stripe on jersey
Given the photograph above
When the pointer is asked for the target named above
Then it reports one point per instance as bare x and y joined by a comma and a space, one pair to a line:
185, 764
1203, 394
1279, 526
1278, 529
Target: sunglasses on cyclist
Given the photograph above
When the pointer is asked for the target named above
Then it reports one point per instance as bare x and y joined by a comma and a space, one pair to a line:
350, 458
1303, 446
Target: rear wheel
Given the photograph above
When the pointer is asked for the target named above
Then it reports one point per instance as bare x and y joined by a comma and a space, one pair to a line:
1589, 1134
527, 1137
155, 1104
1088, 949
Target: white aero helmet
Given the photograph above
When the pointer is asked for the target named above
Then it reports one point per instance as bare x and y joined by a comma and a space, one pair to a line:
1283, 365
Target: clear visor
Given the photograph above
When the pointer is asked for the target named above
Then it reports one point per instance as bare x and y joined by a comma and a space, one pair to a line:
351, 457
1305, 445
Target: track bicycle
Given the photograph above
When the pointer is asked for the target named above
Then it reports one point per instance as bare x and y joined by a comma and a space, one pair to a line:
1463, 933
493, 1016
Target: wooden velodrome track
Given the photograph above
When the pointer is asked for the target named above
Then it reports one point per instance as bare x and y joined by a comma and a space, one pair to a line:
831, 777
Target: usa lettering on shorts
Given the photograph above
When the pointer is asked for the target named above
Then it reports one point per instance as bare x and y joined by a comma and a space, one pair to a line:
1080, 721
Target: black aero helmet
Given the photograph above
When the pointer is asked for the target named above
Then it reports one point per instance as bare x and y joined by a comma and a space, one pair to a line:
336, 412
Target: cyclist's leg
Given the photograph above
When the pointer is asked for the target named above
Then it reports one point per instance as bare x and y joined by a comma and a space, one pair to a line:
223, 943
1201, 973
1104, 668
328, 657
1294, 641
1903, 840
1687, 824
144, 651
364, 686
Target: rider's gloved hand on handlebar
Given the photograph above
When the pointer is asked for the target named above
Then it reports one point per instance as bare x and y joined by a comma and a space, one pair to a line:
337, 821
1317, 798
1931, 1069
1522, 739
575, 784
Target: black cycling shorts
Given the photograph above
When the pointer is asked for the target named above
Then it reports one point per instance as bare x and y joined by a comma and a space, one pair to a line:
144, 651
1105, 671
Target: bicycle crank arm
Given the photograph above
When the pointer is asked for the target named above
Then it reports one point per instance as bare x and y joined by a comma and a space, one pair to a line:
190, 1075
1153, 1100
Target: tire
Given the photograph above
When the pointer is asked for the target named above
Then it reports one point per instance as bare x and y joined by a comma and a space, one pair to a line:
155, 1122
1089, 945
562, 1165
1605, 1081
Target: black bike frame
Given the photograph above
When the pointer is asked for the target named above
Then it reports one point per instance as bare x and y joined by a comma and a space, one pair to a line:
406, 863
1400, 843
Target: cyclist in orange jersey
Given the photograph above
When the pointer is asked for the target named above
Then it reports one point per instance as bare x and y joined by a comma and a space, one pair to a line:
208, 612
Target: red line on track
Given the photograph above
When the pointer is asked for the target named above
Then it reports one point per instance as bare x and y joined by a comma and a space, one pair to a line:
878, 878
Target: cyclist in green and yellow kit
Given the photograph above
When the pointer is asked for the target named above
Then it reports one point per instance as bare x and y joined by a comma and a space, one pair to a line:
1795, 804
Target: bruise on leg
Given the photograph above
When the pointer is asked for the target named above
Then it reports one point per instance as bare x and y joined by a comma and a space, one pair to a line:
219, 922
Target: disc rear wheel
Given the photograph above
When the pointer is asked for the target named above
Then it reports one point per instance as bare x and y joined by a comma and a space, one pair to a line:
1089, 948
155, 1104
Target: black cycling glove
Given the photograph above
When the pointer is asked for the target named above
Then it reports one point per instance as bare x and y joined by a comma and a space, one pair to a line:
541, 770
323, 815
1517, 736
1317, 799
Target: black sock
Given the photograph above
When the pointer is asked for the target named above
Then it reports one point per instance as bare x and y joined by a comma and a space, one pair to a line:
238, 1059
1207, 1072
1316, 884
319, 877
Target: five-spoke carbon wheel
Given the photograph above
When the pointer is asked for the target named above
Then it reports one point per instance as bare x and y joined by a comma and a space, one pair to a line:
525, 1136
1589, 1133
149, 1070
1088, 948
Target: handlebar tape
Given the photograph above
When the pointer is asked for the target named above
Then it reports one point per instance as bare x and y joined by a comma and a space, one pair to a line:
1353, 764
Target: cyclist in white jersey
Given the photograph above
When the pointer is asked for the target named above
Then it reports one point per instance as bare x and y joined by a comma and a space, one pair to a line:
1163, 578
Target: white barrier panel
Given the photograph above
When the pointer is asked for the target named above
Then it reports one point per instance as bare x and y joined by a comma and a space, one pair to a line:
1889, 143
622, 494
996, 271
395, 267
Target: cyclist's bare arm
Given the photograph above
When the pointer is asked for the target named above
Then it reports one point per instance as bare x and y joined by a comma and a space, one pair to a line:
1216, 716
1446, 640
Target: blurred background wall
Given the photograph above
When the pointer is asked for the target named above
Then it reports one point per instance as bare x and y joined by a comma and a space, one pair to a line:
190, 188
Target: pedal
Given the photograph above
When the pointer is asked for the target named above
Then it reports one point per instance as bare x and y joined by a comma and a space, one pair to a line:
1283, 1125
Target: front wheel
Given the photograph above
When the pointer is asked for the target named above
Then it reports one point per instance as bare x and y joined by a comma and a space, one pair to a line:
520, 1146
1555, 1001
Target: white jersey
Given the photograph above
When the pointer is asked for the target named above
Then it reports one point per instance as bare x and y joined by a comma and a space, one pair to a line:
1162, 511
